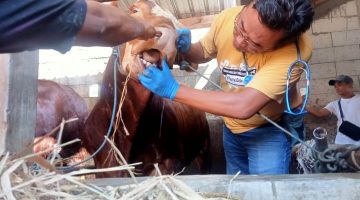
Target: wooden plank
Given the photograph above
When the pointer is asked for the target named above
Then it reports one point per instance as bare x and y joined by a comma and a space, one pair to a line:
198, 22
19, 111
4, 82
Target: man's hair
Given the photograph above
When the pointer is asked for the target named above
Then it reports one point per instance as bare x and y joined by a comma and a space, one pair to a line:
294, 17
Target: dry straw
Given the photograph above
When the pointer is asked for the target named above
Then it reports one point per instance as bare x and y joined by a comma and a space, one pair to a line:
18, 182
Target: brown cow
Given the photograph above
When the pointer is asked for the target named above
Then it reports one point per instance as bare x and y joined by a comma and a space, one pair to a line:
160, 131
54, 103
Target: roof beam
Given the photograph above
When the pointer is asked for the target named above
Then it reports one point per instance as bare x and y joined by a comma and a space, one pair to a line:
198, 22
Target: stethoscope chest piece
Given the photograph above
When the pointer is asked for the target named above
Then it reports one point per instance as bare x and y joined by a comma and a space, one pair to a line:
247, 79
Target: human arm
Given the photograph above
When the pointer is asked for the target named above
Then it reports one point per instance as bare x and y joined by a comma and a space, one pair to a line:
195, 54
241, 105
106, 25
31, 25
323, 112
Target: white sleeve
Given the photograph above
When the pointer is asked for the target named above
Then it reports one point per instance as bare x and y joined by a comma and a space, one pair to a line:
331, 107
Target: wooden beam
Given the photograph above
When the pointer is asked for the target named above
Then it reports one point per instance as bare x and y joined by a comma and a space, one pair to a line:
198, 22
4, 90
19, 73
323, 7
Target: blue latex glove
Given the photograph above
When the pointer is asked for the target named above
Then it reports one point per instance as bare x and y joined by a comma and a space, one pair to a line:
160, 82
183, 42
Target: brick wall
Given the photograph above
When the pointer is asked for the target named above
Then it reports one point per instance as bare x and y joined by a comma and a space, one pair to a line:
336, 39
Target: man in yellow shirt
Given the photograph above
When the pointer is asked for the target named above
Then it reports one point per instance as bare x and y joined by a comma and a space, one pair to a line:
254, 46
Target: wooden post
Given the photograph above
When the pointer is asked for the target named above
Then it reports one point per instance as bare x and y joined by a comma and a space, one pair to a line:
18, 86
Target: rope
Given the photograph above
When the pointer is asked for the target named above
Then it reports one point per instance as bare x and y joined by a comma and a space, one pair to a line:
119, 119
161, 118
122, 100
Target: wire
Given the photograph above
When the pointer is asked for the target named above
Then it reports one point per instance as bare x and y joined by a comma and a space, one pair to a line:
116, 53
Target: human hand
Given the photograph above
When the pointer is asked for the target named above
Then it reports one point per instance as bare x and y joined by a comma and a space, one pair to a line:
160, 82
149, 31
183, 42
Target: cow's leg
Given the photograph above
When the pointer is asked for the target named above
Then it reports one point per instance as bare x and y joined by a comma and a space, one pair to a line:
108, 163
44, 143
81, 155
167, 166
107, 158
203, 162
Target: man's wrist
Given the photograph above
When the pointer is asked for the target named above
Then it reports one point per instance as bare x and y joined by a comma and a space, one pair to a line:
174, 90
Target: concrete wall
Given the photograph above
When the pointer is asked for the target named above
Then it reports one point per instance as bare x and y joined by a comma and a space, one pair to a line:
81, 85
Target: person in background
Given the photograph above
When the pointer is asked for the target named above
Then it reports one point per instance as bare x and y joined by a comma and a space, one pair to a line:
350, 106
254, 46
60, 24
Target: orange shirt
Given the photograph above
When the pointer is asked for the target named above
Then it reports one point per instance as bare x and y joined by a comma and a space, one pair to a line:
270, 69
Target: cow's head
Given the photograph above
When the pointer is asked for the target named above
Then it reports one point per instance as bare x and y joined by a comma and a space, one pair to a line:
139, 54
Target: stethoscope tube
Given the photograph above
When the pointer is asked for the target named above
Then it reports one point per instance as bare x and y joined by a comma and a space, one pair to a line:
306, 68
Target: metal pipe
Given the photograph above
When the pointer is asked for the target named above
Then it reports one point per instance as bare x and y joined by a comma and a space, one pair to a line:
320, 137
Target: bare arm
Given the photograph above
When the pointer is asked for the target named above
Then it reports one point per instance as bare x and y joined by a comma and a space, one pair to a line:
318, 113
241, 105
196, 54
106, 25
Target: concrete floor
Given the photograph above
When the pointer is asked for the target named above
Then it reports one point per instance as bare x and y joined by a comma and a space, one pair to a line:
281, 187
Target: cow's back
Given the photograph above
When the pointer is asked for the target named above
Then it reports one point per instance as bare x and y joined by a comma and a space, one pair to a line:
54, 103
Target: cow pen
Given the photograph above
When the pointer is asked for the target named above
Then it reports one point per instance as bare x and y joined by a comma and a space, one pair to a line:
321, 171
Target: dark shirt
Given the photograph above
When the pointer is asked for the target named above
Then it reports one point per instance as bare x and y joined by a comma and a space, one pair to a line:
40, 24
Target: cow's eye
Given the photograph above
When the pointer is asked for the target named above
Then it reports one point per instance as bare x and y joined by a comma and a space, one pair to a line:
135, 10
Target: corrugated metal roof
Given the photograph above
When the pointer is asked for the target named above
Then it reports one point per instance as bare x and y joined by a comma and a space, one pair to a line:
195, 8
188, 8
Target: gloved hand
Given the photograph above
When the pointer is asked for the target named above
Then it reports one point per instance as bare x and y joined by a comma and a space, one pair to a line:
183, 42
160, 82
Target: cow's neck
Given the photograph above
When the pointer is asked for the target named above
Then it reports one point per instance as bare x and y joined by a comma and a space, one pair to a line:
136, 99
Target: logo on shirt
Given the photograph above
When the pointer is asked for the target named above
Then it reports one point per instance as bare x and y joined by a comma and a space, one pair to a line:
235, 74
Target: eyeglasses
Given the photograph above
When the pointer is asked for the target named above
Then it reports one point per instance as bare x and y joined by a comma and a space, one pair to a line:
239, 31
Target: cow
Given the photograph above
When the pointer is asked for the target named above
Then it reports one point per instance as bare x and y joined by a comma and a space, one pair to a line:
56, 102
149, 129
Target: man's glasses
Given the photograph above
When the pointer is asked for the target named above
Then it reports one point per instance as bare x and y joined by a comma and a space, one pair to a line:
239, 31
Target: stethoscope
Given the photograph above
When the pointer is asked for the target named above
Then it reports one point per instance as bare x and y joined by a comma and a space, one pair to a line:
248, 77
305, 67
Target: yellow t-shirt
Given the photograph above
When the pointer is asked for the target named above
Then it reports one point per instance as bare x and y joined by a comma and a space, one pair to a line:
270, 69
